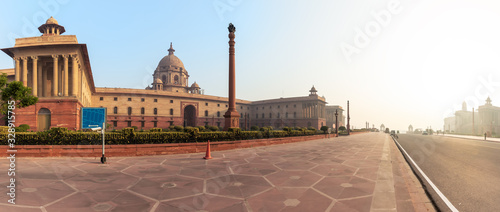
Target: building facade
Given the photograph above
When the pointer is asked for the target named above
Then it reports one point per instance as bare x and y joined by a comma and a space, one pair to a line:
483, 120
58, 70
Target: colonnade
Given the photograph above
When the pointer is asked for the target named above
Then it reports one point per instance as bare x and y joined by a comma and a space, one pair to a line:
40, 68
313, 110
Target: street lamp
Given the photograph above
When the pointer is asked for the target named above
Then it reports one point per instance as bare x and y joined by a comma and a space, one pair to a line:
336, 124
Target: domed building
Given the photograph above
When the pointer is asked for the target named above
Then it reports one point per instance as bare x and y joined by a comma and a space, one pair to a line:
58, 70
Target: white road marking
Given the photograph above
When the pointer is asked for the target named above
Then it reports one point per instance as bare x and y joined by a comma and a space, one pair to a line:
441, 195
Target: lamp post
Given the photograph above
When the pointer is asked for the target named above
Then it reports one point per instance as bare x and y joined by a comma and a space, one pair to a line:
348, 119
336, 124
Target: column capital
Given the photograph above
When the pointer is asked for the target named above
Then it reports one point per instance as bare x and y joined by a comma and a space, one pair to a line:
55, 56
74, 56
34, 57
16, 58
24, 58
65, 56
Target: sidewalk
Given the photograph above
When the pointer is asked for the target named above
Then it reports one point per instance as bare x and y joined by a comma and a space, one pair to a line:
364, 172
474, 137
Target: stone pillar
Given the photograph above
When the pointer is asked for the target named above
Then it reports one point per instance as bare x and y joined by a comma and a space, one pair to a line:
65, 87
35, 76
39, 79
45, 84
18, 74
74, 74
232, 117
55, 78
25, 71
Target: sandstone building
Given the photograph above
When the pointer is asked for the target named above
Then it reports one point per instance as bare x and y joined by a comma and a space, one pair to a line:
484, 119
58, 70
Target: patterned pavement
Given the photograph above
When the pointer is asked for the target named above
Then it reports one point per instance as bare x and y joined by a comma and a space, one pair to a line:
352, 173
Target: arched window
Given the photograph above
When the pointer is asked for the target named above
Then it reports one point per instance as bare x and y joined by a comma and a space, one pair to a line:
206, 112
115, 110
142, 110
129, 111
176, 79
43, 119
155, 111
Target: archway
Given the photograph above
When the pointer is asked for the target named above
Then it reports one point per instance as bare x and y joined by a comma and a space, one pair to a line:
190, 116
43, 119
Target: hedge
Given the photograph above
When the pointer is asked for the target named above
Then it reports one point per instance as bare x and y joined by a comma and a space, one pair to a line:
61, 136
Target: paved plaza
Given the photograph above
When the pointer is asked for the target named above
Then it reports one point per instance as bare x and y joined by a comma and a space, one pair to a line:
364, 172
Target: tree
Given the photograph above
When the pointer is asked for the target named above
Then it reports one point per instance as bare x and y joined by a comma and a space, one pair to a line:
14, 91
342, 128
324, 129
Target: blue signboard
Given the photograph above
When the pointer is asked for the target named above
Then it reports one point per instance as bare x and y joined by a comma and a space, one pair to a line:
93, 117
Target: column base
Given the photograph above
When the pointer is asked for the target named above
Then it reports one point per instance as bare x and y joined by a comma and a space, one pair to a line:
231, 120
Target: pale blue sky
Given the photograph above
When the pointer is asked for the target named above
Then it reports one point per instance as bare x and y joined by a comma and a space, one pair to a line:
414, 68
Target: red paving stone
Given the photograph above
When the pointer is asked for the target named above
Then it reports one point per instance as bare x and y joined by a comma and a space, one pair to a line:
336, 174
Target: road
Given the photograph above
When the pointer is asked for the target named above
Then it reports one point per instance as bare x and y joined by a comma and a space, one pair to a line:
466, 171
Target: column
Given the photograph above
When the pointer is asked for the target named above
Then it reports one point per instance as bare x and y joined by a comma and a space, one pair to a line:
35, 75
25, 71
74, 74
45, 86
55, 74
18, 74
39, 79
65, 87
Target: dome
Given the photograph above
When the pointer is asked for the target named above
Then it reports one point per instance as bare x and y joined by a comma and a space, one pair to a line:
51, 20
170, 60
158, 81
195, 85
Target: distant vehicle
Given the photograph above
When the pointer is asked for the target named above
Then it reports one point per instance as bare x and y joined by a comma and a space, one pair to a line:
425, 133
393, 133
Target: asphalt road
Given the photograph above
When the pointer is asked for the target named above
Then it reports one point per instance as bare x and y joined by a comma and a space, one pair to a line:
466, 171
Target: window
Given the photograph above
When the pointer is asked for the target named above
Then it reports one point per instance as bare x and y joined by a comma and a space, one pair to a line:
115, 123
206, 112
294, 114
115, 99
129, 111
278, 115
129, 123
286, 115
142, 124
270, 106
278, 106
101, 98
155, 123
142, 110
115, 110
226, 105
262, 115
256, 116
218, 113
218, 124
206, 104
171, 101
270, 115
171, 111
155, 100
142, 99
218, 105
241, 107
286, 106
155, 111
256, 108
262, 107
294, 106
129, 99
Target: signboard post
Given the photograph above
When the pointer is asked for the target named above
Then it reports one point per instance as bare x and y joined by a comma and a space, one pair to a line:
94, 118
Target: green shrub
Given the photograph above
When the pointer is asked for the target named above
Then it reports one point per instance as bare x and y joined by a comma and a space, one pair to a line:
236, 130
155, 130
254, 128
22, 128
4, 129
311, 128
179, 128
324, 129
201, 128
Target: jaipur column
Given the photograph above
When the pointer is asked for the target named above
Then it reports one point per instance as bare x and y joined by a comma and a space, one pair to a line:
35, 76
74, 74
232, 117
25, 70
65, 87
18, 74
55, 78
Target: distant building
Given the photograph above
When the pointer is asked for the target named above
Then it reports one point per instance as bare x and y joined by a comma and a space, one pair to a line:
484, 120
58, 70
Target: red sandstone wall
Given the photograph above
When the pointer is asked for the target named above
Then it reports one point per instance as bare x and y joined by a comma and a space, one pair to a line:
64, 113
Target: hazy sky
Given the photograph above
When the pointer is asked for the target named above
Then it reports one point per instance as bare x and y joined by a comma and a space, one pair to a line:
398, 62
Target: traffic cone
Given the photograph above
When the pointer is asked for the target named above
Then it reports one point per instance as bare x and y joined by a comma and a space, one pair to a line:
207, 155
